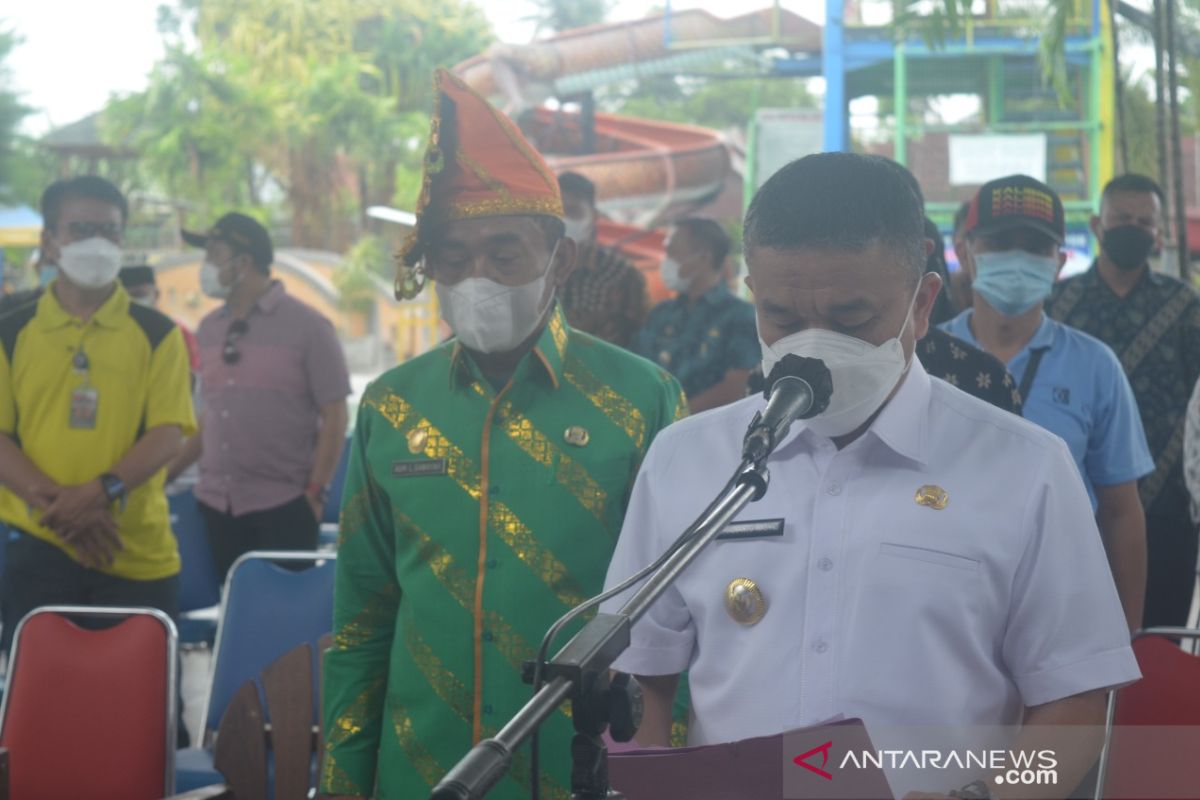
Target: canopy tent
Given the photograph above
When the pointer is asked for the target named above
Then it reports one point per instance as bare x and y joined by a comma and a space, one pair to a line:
20, 226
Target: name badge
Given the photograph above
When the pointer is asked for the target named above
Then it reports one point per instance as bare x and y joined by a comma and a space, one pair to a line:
752, 529
85, 401
419, 469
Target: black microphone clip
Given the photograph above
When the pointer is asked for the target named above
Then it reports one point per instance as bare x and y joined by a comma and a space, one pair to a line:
797, 388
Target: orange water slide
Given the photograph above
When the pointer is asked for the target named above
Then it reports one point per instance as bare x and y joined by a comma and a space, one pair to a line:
645, 171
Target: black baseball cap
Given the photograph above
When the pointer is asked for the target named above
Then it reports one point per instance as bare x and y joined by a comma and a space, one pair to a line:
243, 233
138, 275
1016, 201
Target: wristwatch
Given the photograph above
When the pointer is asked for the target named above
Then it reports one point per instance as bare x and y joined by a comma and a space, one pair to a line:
114, 488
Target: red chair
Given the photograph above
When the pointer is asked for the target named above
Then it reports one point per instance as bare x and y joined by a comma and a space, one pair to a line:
91, 713
1141, 759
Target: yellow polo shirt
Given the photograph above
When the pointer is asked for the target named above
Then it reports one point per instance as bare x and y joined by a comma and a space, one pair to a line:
137, 365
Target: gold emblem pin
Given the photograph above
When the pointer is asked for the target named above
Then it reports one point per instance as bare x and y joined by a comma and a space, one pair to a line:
744, 601
577, 435
417, 439
931, 496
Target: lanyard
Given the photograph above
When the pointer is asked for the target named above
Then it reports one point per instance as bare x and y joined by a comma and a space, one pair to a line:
1035, 361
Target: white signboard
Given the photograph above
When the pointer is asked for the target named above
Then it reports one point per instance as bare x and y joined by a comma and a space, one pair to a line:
978, 159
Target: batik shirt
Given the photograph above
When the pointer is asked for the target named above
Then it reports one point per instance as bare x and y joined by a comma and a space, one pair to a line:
472, 520
699, 343
1155, 332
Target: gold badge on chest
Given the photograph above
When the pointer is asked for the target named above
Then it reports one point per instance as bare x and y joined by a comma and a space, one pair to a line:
417, 439
577, 435
745, 601
931, 496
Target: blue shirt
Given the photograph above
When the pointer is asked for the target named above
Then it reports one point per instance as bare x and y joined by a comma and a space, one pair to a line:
700, 343
1080, 393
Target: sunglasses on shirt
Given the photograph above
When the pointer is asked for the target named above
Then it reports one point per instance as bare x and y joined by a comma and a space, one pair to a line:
230, 353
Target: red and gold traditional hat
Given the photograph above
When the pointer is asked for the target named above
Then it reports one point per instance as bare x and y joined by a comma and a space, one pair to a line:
477, 165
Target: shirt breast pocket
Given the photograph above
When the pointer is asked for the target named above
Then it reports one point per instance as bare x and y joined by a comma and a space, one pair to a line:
927, 555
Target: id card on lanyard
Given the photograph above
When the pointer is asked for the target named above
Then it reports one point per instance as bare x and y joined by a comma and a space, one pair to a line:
85, 400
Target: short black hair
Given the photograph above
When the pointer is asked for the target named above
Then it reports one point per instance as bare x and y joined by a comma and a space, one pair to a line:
839, 201
960, 217
576, 184
707, 233
1133, 182
92, 187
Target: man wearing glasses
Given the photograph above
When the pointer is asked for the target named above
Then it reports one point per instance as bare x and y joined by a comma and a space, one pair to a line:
94, 402
273, 386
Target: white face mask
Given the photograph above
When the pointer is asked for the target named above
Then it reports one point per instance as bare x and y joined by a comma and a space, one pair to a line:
671, 277
210, 282
863, 374
145, 302
489, 317
92, 263
581, 230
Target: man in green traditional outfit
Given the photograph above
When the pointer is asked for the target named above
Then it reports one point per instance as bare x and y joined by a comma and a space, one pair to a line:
488, 478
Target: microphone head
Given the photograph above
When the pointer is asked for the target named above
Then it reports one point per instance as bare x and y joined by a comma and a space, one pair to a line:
811, 370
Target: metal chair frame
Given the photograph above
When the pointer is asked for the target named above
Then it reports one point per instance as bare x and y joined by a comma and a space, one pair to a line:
1190, 634
314, 557
115, 612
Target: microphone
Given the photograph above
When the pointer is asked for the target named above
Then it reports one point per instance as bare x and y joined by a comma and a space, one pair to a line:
797, 388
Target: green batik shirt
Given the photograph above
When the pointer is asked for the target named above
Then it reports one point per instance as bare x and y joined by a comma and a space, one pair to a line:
471, 520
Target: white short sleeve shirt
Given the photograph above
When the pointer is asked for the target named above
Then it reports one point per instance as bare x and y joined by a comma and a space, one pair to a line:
877, 606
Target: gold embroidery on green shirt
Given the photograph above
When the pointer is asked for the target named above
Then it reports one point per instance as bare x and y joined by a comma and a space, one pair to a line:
558, 332
539, 558
376, 614
444, 682
420, 757
357, 716
618, 409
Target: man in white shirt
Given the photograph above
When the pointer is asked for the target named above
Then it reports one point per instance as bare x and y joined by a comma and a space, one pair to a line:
921, 557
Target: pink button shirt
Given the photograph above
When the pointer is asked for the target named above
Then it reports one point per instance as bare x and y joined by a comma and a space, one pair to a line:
261, 415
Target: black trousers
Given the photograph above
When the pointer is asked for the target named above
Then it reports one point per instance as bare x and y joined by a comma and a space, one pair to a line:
291, 526
37, 573
1171, 545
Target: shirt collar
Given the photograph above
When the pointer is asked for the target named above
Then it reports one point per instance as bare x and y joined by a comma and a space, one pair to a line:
51, 314
547, 356
1044, 336
267, 302
902, 424
1093, 278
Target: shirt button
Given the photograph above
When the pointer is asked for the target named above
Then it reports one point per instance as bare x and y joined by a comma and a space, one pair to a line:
487, 709
493, 490
820, 646
492, 563
834, 489
487, 636
825, 564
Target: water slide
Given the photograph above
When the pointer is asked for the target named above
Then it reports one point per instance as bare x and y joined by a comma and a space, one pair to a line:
646, 172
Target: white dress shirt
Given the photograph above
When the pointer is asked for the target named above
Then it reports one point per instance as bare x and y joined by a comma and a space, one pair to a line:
879, 607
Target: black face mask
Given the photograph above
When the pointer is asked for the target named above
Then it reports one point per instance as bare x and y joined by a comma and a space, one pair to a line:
1127, 246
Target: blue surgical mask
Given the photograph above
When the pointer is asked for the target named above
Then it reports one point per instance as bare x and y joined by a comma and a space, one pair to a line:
1014, 281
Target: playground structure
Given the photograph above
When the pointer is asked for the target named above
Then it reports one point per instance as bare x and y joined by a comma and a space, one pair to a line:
649, 172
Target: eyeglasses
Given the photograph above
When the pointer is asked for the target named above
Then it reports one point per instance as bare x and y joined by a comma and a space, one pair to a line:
86, 230
230, 353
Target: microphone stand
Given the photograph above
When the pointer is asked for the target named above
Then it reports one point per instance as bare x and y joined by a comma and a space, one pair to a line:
579, 671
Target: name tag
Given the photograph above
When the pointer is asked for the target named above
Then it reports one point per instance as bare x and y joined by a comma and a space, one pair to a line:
419, 469
752, 529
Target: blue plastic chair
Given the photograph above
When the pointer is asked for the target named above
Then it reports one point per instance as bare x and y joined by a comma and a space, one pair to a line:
199, 583
267, 610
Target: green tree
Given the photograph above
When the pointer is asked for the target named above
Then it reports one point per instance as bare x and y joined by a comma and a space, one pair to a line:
323, 100
17, 170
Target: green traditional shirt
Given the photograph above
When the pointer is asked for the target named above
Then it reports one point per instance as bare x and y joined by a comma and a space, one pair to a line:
472, 519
